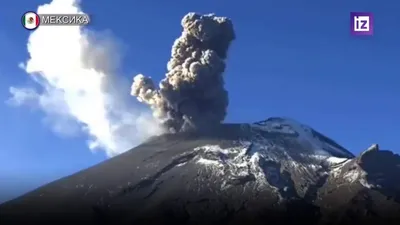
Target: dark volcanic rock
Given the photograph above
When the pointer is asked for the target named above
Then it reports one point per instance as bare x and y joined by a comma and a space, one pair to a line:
272, 172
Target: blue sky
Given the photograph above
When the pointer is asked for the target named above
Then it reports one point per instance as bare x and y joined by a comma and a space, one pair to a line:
291, 58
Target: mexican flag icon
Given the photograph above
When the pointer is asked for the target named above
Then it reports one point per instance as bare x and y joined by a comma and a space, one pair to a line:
30, 20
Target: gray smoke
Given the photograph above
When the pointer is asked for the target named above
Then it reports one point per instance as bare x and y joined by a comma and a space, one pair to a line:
192, 94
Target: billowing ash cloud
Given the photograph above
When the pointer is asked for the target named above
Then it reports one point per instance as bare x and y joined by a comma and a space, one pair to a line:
192, 94
75, 69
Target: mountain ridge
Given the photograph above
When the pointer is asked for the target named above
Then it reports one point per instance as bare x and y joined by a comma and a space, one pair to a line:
221, 175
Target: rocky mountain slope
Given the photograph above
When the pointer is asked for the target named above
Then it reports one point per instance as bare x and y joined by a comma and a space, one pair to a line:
276, 171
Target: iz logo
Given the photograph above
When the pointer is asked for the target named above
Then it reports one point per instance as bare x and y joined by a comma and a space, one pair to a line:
361, 23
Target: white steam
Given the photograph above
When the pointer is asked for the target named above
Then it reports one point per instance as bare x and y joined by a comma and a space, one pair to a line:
76, 69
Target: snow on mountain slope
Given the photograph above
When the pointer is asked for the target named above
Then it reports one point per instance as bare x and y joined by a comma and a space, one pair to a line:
277, 153
321, 144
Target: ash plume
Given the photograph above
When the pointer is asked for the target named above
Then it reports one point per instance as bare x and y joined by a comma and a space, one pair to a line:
192, 94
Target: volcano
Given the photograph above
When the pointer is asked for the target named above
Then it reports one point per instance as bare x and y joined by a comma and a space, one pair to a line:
276, 171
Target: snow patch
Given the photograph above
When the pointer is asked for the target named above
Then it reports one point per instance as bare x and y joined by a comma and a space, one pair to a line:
305, 134
365, 183
181, 164
233, 162
335, 160
269, 126
352, 175
336, 171
208, 162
